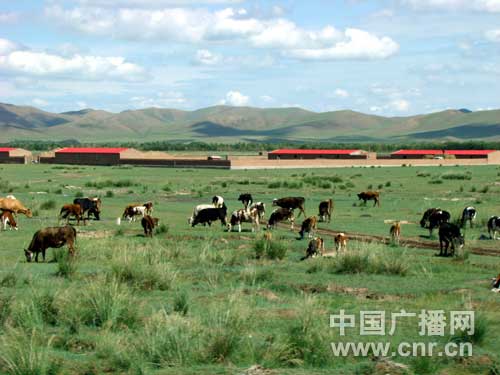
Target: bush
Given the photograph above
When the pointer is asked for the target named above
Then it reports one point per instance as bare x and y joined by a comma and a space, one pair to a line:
181, 304
79, 194
167, 188
274, 185
270, 248
110, 194
485, 189
162, 229
66, 263
48, 205
144, 276
456, 176
481, 326
370, 262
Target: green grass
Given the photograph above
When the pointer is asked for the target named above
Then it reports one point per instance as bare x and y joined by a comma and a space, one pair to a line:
205, 301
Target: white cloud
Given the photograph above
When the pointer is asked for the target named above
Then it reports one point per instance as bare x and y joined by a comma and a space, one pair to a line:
155, 3
189, 25
400, 105
341, 93
493, 35
81, 104
161, 100
24, 61
267, 99
235, 98
8, 17
491, 6
205, 57
40, 102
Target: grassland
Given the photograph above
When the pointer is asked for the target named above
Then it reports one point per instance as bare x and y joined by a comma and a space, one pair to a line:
198, 301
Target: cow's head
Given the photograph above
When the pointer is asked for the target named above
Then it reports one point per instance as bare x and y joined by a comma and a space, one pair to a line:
29, 213
360, 196
29, 255
275, 201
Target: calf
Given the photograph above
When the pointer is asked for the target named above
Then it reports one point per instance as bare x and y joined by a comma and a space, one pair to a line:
245, 216
69, 210
316, 247
309, 225
370, 196
218, 201
291, 203
8, 218
395, 232
54, 237
148, 224
325, 210
198, 209
208, 215
341, 242
279, 215
493, 226
449, 236
246, 199
468, 214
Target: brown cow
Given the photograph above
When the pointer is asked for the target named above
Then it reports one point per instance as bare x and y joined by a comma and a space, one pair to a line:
15, 206
325, 210
69, 210
370, 196
50, 237
309, 225
316, 247
8, 218
341, 242
278, 215
292, 203
149, 208
395, 232
148, 224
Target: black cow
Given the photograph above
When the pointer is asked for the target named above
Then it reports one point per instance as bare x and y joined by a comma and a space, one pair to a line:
325, 210
211, 214
316, 247
246, 199
50, 237
292, 203
370, 196
449, 236
468, 214
90, 206
433, 218
279, 215
493, 226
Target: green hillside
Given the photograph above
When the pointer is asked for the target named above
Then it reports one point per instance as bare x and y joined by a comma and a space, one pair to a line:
233, 124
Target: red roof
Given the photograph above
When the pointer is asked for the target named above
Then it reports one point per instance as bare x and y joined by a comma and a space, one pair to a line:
418, 152
468, 152
6, 149
312, 152
91, 150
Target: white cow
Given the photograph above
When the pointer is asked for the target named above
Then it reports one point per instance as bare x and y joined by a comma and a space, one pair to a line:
198, 209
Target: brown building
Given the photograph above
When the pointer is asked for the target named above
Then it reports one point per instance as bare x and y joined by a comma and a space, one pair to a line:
286, 154
11, 155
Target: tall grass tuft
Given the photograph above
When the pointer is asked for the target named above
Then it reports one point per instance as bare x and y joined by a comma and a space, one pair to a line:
271, 249
48, 205
66, 263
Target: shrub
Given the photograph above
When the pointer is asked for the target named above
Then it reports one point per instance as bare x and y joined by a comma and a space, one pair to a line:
270, 248
143, 276
456, 176
485, 189
274, 185
9, 280
181, 304
79, 194
167, 188
481, 326
66, 263
48, 205
162, 229
370, 262
110, 194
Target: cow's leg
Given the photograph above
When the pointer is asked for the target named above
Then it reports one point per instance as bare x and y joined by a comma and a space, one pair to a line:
239, 227
43, 255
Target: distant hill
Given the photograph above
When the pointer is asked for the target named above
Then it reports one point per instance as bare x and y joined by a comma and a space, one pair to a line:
234, 124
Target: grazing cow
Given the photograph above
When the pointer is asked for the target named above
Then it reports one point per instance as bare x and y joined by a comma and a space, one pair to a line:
433, 218
292, 203
309, 225
149, 207
90, 206
69, 210
468, 214
395, 232
242, 215
370, 196
15, 206
316, 247
198, 209
493, 226
208, 215
8, 218
148, 224
133, 210
261, 207
55, 237
246, 199
218, 201
341, 242
325, 210
449, 236
279, 215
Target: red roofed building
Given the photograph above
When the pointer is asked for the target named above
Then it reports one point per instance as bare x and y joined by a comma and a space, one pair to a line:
316, 154
12, 155
445, 154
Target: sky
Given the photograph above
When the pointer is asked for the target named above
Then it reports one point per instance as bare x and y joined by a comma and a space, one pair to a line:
382, 57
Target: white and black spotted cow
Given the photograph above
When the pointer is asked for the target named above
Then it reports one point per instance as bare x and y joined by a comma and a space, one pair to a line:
468, 214
218, 201
197, 209
493, 226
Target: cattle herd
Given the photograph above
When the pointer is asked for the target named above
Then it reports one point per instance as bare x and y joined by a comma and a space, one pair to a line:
450, 236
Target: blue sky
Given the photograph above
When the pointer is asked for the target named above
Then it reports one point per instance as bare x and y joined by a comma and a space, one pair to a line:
385, 57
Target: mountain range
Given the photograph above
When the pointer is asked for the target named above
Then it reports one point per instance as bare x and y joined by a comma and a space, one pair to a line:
243, 124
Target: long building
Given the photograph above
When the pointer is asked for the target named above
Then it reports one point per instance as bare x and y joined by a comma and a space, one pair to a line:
488, 155
12, 155
316, 154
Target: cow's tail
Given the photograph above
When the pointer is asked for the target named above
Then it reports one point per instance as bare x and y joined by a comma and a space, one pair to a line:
330, 206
